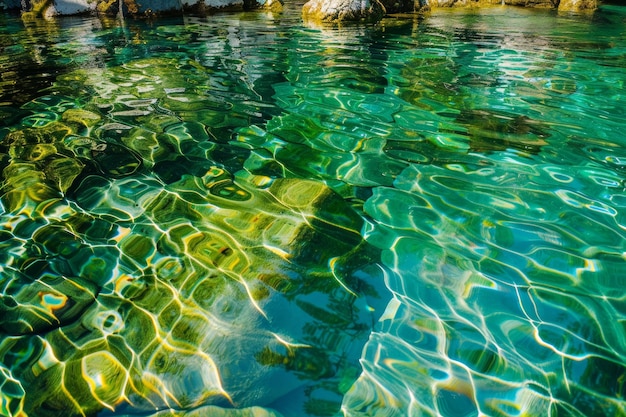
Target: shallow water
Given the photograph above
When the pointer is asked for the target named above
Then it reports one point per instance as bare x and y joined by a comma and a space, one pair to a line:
420, 217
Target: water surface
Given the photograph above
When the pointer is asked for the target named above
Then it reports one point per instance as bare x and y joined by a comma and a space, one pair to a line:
419, 217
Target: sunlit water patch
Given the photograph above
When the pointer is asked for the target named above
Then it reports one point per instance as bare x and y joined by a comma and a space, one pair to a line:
242, 216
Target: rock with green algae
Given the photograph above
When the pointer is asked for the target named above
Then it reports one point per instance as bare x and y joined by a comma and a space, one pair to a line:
46, 160
577, 5
342, 10
216, 325
374, 10
212, 266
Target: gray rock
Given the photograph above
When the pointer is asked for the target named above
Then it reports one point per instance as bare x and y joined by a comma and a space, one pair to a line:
343, 10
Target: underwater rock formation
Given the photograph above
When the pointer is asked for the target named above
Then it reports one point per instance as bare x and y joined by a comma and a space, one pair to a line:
140, 274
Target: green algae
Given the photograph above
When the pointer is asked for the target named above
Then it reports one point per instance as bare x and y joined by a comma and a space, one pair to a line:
110, 248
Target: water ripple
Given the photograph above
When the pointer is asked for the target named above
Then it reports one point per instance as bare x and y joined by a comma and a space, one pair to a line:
254, 195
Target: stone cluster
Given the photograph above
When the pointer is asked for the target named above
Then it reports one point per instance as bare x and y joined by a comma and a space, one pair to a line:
329, 11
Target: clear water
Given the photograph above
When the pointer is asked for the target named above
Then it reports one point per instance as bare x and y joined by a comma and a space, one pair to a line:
245, 215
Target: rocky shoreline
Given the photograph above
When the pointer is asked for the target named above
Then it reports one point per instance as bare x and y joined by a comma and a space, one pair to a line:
314, 10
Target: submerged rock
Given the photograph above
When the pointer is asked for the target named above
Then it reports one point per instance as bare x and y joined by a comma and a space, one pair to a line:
240, 295
131, 284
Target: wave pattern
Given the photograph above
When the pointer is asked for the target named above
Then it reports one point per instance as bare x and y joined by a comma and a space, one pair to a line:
503, 236
253, 195
144, 269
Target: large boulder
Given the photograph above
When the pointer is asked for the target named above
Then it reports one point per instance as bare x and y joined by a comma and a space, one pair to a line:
577, 5
343, 10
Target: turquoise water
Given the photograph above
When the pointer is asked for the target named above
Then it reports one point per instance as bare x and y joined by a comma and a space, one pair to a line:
245, 215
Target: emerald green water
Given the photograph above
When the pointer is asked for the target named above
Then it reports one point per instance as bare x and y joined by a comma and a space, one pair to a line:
243, 215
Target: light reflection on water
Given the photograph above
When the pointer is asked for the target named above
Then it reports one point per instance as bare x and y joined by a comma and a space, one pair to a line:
254, 194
